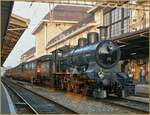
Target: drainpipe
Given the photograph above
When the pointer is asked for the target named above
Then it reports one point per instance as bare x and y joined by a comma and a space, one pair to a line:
45, 37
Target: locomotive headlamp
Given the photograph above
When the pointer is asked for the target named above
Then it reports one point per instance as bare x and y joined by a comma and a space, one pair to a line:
107, 54
59, 54
38, 69
101, 74
50, 53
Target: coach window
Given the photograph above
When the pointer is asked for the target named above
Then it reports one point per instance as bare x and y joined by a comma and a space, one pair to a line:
30, 65
33, 65
19, 67
22, 67
26, 66
45, 65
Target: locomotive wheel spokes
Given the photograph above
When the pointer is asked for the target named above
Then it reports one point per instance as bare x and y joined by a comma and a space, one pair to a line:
74, 90
62, 83
68, 87
84, 90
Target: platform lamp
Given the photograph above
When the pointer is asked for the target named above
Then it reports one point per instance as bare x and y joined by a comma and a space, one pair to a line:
103, 32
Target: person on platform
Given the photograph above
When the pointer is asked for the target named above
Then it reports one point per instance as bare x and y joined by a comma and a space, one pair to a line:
130, 73
142, 75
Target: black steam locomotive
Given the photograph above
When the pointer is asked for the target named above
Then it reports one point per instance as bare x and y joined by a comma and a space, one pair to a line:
89, 69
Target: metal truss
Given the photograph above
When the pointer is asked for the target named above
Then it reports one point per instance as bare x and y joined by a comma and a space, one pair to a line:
130, 4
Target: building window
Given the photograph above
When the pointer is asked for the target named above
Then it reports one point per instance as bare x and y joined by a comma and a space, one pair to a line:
116, 29
116, 15
117, 21
108, 32
126, 12
106, 19
126, 25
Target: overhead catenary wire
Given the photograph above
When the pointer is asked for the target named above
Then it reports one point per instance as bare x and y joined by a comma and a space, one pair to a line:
35, 11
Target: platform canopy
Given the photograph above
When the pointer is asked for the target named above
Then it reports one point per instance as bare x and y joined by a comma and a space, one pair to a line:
15, 28
134, 45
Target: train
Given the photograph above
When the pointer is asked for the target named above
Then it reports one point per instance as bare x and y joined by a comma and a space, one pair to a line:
89, 68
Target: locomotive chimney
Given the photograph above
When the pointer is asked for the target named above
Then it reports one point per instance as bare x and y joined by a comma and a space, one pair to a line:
82, 42
103, 32
92, 37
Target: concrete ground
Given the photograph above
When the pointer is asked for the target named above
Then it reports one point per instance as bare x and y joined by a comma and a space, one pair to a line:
81, 104
142, 89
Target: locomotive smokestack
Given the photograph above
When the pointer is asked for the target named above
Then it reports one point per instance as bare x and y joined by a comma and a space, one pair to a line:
92, 37
103, 32
82, 42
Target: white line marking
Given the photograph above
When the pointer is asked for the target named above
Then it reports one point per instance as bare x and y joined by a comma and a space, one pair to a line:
10, 103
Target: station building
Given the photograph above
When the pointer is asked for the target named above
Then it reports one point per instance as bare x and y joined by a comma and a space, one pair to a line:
127, 26
55, 22
28, 55
131, 27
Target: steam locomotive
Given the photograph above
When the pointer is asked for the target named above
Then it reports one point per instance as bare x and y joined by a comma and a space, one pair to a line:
89, 69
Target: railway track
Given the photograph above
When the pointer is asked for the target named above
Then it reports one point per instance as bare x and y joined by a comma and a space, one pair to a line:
125, 103
130, 104
21, 107
38, 103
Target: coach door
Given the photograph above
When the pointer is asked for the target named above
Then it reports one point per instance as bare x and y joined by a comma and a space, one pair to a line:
38, 73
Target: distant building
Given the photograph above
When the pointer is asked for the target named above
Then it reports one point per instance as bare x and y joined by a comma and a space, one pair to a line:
2, 71
55, 22
28, 55
71, 35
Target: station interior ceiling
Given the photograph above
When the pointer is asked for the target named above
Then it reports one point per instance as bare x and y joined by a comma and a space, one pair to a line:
5, 15
6, 9
12, 28
138, 46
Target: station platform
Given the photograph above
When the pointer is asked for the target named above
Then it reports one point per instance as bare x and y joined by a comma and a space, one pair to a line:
136, 98
142, 90
7, 106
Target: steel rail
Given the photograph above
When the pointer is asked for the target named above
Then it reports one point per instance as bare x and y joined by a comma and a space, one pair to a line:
123, 102
21, 98
42, 97
131, 104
